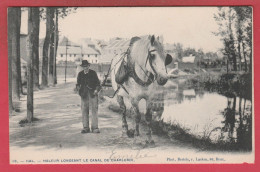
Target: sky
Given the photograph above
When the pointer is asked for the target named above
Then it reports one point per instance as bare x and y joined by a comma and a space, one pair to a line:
191, 26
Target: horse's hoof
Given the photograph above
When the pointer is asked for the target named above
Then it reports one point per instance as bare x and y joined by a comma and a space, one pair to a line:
137, 140
150, 144
146, 144
137, 144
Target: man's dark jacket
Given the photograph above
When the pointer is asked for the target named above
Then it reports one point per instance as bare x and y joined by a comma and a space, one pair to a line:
88, 83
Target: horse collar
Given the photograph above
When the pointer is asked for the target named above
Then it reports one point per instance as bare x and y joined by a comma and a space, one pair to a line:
139, 81
133, 74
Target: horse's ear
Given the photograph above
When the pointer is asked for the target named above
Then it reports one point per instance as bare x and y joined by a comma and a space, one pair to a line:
152, 40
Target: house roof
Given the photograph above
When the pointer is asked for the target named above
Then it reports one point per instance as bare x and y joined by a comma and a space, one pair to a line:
62, 42
70, 50
89, 50
65, 41
188, 59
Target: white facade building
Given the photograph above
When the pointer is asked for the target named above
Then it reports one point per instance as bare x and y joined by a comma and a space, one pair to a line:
75, 52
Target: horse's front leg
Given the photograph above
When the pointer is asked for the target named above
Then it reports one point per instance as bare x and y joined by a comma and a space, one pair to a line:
148, 119
134, 103
121, 103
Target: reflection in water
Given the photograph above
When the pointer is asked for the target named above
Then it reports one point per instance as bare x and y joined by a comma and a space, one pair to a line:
238, 122
229, 119
206, 115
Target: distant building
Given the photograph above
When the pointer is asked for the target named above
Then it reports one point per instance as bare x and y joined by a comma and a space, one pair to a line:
188, 62
75, 52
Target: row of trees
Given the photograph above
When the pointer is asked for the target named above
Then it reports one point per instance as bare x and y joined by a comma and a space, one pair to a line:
48, 73
182, 52
235, 30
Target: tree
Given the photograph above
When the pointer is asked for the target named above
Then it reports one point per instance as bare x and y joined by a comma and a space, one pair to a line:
200, 55
33, 34
224, 19
179, 49
189, 51
14, 24
45, 56
51, 43
36, 29
60, 12
236, 22
51, 46
248, 33
238, 25
56, 41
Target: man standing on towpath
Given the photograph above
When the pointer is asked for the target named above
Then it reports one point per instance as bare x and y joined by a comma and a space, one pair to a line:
88, 86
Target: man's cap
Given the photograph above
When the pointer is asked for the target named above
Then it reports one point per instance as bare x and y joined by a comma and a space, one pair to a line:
84, 63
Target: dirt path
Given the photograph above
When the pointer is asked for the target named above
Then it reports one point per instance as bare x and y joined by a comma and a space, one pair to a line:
58, 129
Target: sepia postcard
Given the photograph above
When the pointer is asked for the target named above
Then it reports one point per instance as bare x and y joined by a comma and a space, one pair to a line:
131, 85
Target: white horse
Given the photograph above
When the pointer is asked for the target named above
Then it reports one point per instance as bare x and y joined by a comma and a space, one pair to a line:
147, 62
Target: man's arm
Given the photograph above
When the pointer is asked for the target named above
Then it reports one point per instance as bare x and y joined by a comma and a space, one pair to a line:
78, 82
98, 86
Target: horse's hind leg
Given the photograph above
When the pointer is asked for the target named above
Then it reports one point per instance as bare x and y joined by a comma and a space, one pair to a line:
121, 103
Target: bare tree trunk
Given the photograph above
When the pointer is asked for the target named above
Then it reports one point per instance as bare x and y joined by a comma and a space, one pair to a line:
10, 35
244, 54
36, 49
18, 54
239, 55
51, 55
228, 65
10, 101
33, 33
45, 52
231, 43
33, 37
250, 67
56, 44
14, 24
51, 61
239, 35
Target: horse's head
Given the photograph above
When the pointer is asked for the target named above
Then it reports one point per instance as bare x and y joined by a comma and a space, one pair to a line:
157, 60
148, 53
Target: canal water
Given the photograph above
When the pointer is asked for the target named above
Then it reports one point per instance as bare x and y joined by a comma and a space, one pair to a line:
206, 115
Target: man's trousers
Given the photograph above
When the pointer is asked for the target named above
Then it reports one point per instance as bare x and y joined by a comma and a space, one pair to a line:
86, 104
